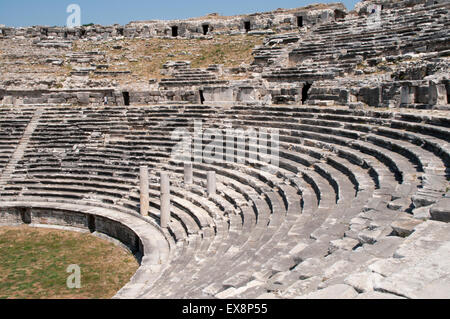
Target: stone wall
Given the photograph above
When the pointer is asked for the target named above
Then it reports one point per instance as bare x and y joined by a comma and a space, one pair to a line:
388, 94
404, 93
55, 217
263, 23
71, 97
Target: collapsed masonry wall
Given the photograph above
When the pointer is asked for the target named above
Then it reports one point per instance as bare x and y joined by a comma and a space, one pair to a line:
343, 61
258, 23
404, 93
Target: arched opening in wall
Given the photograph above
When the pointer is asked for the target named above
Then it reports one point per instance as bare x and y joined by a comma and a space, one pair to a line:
44, 31
25, 215
82, 32
174, 31
247, 26
120, 31
126, 98
91, 223
137, 248
305, 91
205, 29
50, 226
65, 35
300, 22
202, 97
339, 14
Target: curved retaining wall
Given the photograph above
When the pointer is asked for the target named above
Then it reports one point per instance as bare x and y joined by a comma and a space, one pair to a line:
142, 237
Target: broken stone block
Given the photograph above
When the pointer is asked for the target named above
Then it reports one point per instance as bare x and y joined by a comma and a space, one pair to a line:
333, 292
368, 236
405, 227
422, 213
441, 211
363, 282
344, 244
384, 248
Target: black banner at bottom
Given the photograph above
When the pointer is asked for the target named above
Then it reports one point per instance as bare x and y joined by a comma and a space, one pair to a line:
207, 308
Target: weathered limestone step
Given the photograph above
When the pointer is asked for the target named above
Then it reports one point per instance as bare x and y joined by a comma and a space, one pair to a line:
21, 147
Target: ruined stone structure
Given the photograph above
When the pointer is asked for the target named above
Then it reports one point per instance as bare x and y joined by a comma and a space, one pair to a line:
357, 206
213, 24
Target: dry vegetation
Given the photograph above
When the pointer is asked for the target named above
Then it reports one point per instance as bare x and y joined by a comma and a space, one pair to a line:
145, 58
33, 264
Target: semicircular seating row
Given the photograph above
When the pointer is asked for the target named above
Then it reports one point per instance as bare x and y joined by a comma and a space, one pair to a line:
336, 48
344, 176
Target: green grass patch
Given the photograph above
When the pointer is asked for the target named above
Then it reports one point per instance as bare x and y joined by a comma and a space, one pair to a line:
34, 261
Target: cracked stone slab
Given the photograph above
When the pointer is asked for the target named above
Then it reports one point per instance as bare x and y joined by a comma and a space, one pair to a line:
384, 247
422, 213
301, 287
378, 295
363, 282
420, 268
344, 244
405, 226
309, 268
441, 211
341, 291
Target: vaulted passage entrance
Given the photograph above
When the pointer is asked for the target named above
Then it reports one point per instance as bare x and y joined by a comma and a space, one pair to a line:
126, 98
174, 31
300, 22
205, 29
91, 223
305, 91
247, 26
202, 97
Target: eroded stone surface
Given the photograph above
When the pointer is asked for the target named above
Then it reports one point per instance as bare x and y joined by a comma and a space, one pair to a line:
363, 147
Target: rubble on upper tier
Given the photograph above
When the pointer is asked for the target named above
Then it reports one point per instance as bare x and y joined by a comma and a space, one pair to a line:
381, 54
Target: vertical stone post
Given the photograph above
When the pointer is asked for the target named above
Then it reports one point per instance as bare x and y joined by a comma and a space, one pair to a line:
188, 175
407, 95
211, 183
165, 200
437, 94
144, 191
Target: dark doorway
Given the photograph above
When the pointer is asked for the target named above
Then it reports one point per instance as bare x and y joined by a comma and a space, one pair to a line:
25, 215
136, 247
82, 32
247, 26
305, 91
205, 29
44, 31
300, 22
120, 31
202, 97
126, 98
339, 15
91, 223
174, 31
65, 35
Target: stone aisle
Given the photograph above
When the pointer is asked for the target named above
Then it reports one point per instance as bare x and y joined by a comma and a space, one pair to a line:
21, 147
